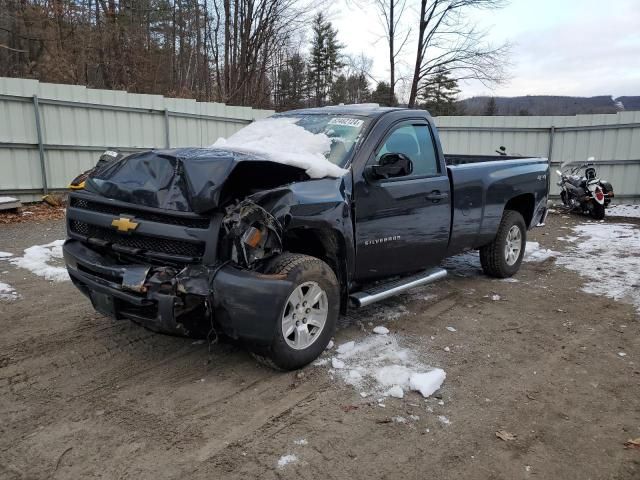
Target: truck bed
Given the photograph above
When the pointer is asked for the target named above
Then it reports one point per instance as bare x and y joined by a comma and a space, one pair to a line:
482, 186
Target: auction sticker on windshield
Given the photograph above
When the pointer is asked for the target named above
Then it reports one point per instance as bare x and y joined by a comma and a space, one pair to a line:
347, 122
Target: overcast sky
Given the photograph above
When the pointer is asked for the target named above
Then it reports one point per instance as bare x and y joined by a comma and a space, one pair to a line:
560, 47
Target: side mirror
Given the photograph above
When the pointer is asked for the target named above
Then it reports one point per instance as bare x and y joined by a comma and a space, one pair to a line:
391, 165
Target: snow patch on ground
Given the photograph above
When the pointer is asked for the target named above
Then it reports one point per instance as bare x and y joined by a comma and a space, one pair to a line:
534, 253
568, 238
427, 383
389, 312
381, 330
509, 280
5, 255
395, 391
281, 140
627, 211
345, 347
44, 261
7, 292
444, 420
337, 363
286, 460
378, 364
608, 256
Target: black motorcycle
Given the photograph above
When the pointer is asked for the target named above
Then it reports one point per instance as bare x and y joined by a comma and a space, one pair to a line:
585, 193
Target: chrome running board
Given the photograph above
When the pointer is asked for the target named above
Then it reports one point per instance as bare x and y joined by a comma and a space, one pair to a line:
389, 289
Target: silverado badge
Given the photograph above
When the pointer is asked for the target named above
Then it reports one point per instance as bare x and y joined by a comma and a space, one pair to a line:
376, 241
124, 224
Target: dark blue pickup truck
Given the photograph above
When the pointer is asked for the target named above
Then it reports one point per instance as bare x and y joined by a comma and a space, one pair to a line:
200, 241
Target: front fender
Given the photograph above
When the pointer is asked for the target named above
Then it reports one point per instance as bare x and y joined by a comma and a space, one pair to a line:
321, 209
248, 305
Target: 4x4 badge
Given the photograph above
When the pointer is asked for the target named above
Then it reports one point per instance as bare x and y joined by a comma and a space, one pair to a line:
124, 224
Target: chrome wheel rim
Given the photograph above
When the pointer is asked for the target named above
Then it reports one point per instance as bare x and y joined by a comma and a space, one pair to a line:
305, 315
513, 245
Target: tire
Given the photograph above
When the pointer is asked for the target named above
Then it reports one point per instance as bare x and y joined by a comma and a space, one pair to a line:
597, 211
309, 275
494, 258
563, 197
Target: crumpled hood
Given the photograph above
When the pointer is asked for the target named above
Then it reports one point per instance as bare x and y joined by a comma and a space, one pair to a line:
185, 180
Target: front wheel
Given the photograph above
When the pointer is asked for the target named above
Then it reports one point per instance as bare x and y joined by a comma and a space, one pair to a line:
308, 319
597, 211
502, 257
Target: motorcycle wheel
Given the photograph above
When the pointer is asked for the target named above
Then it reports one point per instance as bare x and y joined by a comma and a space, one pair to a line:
563, 197
597, 211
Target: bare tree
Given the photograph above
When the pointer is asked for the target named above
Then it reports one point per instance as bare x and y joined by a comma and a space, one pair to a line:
221, 50
359, 64
253, 33
390, 12
449, 43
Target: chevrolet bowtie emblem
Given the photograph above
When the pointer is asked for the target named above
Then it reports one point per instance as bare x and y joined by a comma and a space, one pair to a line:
124, 224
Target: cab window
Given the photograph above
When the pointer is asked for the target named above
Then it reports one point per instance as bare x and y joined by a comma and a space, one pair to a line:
416, 143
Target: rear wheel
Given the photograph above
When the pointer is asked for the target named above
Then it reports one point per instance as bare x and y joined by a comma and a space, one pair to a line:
308, 318
502, 257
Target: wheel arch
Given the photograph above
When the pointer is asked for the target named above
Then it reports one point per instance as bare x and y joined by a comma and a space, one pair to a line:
523, 204
327, 245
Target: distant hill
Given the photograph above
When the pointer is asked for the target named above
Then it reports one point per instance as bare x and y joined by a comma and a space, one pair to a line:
548, 105
629, 103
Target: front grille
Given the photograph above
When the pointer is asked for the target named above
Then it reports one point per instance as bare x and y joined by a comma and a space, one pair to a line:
143, 242
85, 204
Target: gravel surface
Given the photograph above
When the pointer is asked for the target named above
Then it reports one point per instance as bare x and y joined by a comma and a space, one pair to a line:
535, 386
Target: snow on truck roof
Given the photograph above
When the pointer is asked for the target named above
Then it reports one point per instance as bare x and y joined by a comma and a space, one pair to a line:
360, 109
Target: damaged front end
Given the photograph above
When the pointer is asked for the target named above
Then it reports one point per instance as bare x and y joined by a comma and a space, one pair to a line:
221, 290
188, 301
179, 241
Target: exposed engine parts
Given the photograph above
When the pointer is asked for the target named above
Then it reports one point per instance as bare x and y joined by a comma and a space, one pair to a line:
252, 232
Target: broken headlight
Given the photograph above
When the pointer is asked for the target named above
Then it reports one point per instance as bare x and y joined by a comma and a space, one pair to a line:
252, 233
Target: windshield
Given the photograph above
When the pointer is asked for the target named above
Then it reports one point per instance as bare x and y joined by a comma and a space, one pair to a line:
344, 132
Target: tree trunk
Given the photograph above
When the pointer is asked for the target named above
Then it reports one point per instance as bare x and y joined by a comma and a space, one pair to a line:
392, 63
419, 54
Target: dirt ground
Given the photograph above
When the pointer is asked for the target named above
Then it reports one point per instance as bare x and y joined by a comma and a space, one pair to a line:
83, 396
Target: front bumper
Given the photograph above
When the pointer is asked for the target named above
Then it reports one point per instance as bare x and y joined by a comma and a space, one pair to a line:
243, 304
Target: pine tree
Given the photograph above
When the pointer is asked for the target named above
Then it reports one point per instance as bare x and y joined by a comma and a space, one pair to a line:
292, 82
492, 109
382, 94
438, 94
358, 89
339, 91
324, 61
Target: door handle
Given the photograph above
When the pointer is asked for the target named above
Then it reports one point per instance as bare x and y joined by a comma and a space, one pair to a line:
436, 196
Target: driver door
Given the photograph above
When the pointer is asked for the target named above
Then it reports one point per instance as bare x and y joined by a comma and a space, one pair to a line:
402, 223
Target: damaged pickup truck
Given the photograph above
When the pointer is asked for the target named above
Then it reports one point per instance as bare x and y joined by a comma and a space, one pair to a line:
266, 237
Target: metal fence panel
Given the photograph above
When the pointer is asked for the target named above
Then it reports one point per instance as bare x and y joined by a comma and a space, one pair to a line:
613, 140
77, 124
